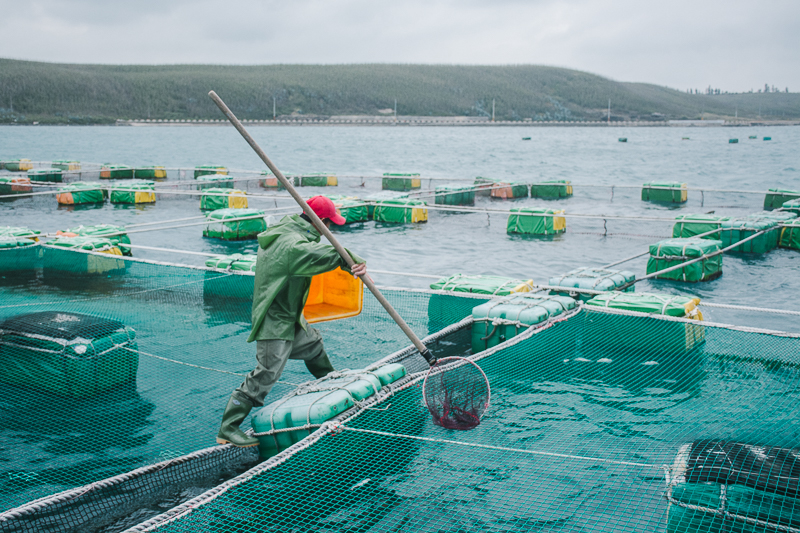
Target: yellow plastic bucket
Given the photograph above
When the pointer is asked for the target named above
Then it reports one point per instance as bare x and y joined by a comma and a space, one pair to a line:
332, 296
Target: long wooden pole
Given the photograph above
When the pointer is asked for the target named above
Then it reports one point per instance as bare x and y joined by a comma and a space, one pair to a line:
423, 350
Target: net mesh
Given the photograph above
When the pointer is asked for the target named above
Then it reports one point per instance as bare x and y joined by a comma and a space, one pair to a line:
456, 393
585, 414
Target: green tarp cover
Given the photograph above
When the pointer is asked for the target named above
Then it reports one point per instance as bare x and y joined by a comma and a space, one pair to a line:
17, 231
531, 224
497, 321
50, 175
14, 165
85, 192
495, 285
399, 211
691, 225
116, 172
7, 241
351, 209
455, 195
327, 399
518, 190
64, 164
204, 170
551, 189
240, 262
10, 184
775, 198
400, 182
790, 235
149, 172
792, 206
596, 279
212, 198
644, 302
128, 193
89, 243
372, 199
67, 354
738, 229
115, 234
671, 252
314, 180
672, 194
779, 215
235, 230
739, 500
208, 181
18, 254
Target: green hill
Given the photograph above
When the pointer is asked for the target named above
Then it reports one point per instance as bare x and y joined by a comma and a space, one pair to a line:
50, 92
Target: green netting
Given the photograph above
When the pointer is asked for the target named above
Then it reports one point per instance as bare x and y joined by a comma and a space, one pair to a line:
576, 439
691, 225
532, 221
51, 175
776, 197
672, 252
790, 235
551, 189
18, 255
140, 192
235, 224
204, 170
596, 279
668, 192
736, 230
192, 352
115, 234
400, 182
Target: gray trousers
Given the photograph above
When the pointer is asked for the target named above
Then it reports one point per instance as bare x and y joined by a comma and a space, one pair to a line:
271, 357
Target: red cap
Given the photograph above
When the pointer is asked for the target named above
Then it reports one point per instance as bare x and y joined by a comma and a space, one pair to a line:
324, 208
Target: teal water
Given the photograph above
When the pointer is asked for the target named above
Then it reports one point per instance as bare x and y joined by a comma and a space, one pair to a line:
174, 409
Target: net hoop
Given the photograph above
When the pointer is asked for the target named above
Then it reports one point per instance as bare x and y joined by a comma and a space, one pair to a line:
452, 363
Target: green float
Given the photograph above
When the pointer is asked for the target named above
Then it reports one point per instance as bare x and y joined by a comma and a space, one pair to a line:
665, 192
690, 225
225, 224
536, 221
672, 252
400, 182
551, 189
47, 175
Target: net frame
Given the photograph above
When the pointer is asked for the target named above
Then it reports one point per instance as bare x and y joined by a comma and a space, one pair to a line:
448, 364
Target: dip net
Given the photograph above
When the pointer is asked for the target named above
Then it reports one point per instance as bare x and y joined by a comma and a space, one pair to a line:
599, 421
457, 393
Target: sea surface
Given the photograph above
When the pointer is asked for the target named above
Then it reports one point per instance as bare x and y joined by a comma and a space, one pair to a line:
174, 409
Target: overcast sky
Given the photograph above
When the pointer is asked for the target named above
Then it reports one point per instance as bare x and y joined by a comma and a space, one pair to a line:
736, 45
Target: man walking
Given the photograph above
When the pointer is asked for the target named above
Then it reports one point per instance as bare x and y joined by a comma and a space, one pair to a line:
289, 255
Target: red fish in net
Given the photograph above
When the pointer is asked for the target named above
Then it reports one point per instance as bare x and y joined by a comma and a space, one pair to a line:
456, 392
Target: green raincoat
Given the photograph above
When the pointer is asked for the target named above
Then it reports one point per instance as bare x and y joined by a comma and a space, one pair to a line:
289, 254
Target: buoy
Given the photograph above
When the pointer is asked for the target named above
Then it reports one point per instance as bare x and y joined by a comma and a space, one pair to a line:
733, 141
526, 138
753, 137
623, 139
767, 138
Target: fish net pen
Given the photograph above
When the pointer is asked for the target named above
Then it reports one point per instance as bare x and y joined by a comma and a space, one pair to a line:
585, 434
95, 419
600, 420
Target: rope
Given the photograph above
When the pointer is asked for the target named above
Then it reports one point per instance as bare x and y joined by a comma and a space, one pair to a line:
488, 447
749, 308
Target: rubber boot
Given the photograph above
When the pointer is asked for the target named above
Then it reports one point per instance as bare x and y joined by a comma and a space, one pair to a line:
235, 413
320, 366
